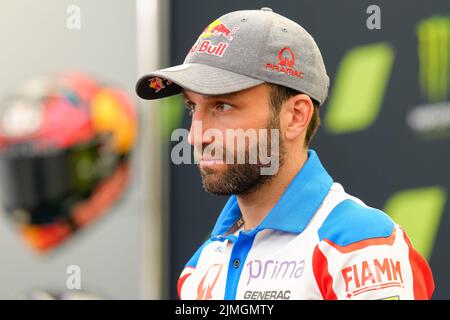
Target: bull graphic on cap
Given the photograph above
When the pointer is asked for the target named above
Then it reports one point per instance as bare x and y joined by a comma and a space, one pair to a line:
217, 28
157, 84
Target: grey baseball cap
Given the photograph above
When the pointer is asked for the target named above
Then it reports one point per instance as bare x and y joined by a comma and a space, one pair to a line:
240, 50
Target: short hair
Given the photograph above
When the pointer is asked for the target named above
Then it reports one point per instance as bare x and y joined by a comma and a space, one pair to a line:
279, 94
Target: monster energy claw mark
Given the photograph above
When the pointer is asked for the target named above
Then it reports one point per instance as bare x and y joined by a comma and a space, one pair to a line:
433, 48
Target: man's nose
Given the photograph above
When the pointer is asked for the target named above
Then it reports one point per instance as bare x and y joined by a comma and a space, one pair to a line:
196, 133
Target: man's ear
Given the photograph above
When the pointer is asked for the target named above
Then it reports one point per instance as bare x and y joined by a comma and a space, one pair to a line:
298, 113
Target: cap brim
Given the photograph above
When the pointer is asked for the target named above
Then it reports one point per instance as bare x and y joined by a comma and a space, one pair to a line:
199, 78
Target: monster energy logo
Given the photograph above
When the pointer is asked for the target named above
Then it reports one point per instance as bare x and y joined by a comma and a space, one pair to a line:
434, 67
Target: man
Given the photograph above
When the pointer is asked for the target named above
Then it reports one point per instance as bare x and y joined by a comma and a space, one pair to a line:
292, 233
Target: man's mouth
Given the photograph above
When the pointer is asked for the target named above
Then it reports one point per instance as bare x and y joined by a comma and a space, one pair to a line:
204, 162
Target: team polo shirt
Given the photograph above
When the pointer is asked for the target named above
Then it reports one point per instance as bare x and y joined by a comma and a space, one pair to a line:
318, 242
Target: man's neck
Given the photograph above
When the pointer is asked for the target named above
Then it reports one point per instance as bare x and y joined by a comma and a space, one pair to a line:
256, 205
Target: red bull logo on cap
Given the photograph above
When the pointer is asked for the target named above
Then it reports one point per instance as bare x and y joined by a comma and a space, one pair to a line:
206, 46
158, 84
217, 28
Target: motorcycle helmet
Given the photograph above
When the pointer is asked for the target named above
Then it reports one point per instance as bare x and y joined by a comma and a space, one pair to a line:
65, 145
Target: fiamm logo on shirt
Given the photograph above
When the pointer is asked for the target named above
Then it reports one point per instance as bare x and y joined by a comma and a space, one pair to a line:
372, 275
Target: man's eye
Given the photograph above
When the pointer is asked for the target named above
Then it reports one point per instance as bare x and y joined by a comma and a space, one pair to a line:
223, 107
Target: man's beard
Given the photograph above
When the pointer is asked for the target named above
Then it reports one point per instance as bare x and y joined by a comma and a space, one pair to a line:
241, 179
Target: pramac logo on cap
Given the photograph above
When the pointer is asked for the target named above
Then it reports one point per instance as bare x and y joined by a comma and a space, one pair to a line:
286, 63
286, 60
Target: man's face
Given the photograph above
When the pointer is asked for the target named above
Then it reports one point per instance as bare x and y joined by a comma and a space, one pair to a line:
248, 110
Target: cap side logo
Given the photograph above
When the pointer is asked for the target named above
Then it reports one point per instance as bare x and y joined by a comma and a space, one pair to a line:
284, 61
157, 84
285, 64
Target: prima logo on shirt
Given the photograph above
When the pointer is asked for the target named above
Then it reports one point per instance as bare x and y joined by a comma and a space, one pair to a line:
274, 269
